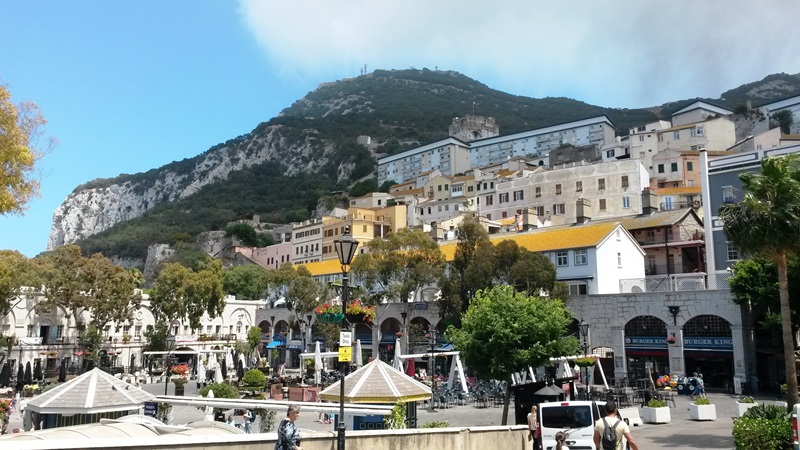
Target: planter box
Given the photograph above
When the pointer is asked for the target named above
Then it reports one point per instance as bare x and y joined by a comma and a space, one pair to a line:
655, 415
743, 407
276, 392
702, 412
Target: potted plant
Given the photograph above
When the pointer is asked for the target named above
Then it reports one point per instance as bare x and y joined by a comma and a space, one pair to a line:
180, 383
126, 338
276, 391
745, 403
328, 313
702, 409
656, 411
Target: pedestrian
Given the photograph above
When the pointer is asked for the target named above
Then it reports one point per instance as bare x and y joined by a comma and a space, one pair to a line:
22, 405
533, 427
617, 425
561, 441
701, 386
288, 434
248, 421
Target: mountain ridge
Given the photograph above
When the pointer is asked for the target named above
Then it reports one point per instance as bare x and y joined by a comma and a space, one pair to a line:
312, 146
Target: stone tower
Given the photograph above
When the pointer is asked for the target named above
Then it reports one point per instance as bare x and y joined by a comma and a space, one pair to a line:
472, 128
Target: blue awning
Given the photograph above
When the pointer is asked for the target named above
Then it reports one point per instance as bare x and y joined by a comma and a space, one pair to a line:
275, 344
445, 348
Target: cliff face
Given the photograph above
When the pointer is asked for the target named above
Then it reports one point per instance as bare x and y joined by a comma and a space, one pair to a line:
93, 209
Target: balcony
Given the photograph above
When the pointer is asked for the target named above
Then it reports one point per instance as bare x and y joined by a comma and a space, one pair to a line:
669, 206
676, 283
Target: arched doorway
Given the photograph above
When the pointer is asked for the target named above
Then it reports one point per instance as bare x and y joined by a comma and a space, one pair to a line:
708, 349
389, 329
646, 346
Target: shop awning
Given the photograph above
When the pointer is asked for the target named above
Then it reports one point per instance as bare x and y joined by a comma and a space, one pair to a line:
275, 344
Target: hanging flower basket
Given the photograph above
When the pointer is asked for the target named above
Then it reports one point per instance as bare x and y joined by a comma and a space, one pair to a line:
585, 362
328, 317
358, 312
359, 318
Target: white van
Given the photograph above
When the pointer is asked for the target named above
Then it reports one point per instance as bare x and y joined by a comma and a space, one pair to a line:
576, 418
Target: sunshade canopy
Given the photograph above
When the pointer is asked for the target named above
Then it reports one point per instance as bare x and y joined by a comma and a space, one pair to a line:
378, 382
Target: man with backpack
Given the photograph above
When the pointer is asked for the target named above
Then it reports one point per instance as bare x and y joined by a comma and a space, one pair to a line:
693, 387
609, 431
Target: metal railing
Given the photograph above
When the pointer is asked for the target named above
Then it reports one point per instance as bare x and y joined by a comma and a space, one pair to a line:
676, 283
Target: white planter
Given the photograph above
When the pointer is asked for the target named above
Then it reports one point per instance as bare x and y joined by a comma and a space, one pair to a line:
702, 412
743, 407
655, 415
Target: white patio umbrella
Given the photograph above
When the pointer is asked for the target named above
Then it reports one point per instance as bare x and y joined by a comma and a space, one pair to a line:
398, 361
317, 365
243, 362
201, 370
209, 411
214, 365
357, 351
229, 361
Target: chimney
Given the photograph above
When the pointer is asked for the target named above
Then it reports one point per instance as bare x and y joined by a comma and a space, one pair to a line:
649, 201
582, 211
529, 220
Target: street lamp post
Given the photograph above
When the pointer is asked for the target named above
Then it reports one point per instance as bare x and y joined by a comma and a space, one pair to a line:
308, 331
432, 360
345, 250
170, 341
584, 330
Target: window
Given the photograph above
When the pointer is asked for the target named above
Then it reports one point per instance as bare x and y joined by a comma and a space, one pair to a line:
689, 166
504, 198
609, 153
440, 188
641, 138
518, 196
446, 187
602, 204
579, 186
60, 331
364, 229
539, 210
504, 215
727, 194
660, 138
558, 189
489, 200
562, 259
624, 181
626, 202
733, 252
699, 131
619, 259
660, 168
577, 289
601, 184
558, 209
440, 208
458, 189
470, 188
581, 258
673, 167
538, 192
676, 135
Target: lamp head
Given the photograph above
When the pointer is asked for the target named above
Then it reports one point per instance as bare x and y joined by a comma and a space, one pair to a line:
345, 247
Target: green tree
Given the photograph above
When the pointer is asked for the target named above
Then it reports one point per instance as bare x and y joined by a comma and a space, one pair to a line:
244, 232
767, 223
181, 293
401, 264
21, 128
303, 294
16, 272
783, 119
503, 332
246, 282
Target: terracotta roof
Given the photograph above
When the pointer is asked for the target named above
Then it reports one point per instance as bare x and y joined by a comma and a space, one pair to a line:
657, 219
548, 239
679, 190
378, 382
93, 392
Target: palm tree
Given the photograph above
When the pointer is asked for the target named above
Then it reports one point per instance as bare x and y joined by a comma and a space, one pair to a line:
767, 223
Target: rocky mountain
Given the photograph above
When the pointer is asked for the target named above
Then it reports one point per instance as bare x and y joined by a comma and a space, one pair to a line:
282, 168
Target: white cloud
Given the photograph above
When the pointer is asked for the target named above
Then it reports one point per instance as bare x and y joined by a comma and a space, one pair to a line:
622, 53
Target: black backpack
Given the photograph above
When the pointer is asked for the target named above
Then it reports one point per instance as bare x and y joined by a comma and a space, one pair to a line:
609, 438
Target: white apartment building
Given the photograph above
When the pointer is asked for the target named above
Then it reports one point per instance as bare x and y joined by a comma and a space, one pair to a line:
606, 189
790, 103
698, 111
713, 134
643, 142
536, 144
450, 156
307, 241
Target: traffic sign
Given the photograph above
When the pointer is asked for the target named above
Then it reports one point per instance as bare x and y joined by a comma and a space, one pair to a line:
345, 354
345, 339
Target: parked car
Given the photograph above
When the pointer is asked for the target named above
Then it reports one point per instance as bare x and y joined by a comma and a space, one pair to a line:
575, 418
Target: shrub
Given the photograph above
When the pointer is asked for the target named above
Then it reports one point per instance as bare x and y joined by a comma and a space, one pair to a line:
221, 390
755, 433
253, 378
769, 412
656, 403
746, 400
702, 401
436, 424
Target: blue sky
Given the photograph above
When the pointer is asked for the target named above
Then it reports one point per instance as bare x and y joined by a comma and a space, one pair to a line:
130, 86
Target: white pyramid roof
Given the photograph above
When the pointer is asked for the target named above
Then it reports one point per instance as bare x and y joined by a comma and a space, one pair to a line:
378, 382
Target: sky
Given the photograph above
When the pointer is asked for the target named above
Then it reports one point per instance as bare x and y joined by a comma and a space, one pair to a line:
130, 86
